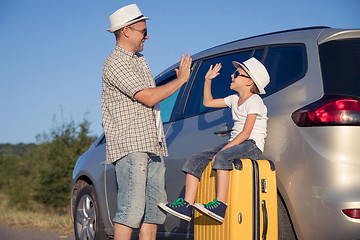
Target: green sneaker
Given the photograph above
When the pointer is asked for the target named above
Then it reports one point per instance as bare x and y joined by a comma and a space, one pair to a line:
214, 209
180, 208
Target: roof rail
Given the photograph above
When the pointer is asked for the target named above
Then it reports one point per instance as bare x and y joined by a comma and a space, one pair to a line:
266, 34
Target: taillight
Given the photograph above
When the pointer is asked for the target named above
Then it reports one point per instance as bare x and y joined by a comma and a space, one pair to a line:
352, 213
329, 111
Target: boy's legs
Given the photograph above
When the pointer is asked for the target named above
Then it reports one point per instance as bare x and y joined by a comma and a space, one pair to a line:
194, 167
191, 187
224, 163
223, 180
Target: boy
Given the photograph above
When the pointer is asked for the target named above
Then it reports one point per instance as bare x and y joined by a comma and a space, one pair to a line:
246, 141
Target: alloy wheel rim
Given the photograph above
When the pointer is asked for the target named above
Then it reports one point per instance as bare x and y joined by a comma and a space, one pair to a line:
86, 218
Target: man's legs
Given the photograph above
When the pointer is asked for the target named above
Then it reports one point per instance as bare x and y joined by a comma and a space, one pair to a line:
131, 174
148, 231
122, 232
155, 193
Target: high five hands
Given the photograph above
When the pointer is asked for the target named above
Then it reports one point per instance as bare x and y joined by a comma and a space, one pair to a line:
183, 72
213, 72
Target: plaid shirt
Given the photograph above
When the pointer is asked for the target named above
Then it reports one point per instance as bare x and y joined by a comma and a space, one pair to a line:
129, 125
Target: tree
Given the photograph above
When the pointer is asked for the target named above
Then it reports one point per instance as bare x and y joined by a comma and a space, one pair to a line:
57, 153
16, 174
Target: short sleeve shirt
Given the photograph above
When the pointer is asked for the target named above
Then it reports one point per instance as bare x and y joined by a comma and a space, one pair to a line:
129, 125
253, 105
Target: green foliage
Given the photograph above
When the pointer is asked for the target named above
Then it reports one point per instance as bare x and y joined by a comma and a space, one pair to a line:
18, 149
43, 174
14, 174
60, 150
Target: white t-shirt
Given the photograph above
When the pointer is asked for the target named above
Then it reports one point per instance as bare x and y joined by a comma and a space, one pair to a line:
253, 105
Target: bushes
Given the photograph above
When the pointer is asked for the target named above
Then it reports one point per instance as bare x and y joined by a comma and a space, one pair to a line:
43, 174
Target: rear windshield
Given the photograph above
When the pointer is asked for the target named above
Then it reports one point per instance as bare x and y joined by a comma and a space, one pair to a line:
340, 66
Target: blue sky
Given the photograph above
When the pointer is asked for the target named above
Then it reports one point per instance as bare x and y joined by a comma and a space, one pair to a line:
52, 52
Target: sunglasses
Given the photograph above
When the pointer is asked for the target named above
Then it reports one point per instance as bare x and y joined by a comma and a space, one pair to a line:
144, 32
236, 74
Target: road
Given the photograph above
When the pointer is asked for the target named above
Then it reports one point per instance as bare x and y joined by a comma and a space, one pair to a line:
8, 233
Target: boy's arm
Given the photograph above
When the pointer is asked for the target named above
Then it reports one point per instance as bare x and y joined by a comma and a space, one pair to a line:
245, 133
209, 101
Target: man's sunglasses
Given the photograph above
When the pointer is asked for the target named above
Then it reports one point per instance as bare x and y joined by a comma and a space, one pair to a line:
236, 74
144, 32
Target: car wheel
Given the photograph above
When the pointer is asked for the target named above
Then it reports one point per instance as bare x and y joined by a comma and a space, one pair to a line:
87, 221
286, 231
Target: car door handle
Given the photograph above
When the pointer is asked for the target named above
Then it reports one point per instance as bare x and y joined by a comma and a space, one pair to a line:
222, 130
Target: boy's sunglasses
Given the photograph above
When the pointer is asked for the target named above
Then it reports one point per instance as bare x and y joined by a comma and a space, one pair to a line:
236, 74
144, 32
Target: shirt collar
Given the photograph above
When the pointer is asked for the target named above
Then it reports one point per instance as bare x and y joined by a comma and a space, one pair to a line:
122, 50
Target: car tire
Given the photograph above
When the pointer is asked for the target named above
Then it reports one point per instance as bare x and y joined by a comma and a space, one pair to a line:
87, 220
286, 231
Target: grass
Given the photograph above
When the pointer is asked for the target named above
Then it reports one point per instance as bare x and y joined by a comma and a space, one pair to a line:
42, 220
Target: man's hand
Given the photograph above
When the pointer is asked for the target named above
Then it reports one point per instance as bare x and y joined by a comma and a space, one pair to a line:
183, 72
152, 96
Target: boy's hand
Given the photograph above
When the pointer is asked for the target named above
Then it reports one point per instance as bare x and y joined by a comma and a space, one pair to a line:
212, 161
213, 72
183, 72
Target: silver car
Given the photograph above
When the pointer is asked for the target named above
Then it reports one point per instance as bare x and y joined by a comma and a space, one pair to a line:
313, 135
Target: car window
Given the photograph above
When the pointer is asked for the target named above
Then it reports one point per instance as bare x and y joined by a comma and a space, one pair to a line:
259, 54
340, 66
220, 86
102, 141
285, 64
167, 105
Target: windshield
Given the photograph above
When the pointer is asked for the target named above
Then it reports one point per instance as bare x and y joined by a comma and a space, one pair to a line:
340, 66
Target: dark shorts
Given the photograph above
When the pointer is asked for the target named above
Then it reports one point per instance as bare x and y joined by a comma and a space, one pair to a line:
196, 164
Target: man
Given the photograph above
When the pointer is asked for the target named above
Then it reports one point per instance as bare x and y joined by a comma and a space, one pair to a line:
133, 127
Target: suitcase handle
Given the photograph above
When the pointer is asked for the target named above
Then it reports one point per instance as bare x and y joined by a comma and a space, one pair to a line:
265, 222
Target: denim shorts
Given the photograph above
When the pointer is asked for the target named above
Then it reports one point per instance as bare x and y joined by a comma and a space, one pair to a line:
141, 186
196, 164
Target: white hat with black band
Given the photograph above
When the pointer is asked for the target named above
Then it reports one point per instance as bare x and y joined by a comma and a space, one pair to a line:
125, 16
256, 71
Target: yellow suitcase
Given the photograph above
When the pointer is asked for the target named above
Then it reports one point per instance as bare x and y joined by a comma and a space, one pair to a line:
252, 203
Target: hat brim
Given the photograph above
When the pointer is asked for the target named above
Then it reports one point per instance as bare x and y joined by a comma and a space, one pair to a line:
113, 29
237, 65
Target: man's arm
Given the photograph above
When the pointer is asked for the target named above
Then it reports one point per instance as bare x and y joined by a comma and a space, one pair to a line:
152, 96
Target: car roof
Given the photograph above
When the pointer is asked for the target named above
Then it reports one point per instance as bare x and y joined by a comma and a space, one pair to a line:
265, 39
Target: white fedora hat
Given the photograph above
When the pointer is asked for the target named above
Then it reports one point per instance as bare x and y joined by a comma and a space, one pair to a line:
256, 71
125, 16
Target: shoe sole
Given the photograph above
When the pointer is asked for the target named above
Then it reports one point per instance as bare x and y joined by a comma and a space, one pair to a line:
176, 214
203, 210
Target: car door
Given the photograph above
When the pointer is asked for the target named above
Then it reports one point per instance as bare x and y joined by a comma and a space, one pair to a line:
195, 127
